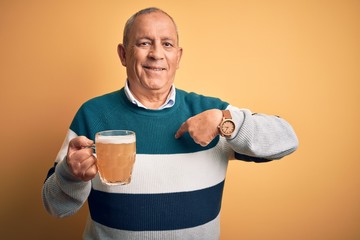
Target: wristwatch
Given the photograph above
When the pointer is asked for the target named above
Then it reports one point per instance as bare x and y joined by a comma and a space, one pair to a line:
227, 125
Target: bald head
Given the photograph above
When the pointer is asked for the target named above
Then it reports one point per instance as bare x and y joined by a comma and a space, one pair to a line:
130, 22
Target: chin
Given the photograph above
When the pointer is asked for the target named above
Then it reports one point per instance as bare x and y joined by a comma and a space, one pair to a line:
157, 84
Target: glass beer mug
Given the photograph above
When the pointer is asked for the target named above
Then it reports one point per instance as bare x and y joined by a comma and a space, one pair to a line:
115, 152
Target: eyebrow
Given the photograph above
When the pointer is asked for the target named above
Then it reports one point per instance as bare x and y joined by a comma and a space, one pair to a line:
151, 39
168, 39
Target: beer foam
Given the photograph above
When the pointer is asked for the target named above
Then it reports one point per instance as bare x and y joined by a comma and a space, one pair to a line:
116, 139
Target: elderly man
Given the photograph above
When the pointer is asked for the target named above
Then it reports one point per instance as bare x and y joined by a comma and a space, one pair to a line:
184, 143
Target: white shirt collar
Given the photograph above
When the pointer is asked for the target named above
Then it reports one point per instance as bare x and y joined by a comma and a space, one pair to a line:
170, 101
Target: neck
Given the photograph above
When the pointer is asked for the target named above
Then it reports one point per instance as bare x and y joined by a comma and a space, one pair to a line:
151, 99
151, 102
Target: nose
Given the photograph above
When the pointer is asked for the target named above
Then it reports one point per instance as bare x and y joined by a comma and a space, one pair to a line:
156, 52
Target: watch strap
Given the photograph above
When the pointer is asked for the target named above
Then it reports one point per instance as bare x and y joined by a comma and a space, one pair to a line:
226, 114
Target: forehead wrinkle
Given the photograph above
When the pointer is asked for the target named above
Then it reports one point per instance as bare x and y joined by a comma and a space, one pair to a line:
152, 39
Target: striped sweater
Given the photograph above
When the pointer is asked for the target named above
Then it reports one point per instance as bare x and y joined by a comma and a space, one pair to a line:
177, 185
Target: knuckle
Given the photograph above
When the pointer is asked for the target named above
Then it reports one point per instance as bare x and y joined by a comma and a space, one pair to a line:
90, 173
76, 172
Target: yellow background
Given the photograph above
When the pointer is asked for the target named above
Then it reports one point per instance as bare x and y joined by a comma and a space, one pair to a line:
296, 59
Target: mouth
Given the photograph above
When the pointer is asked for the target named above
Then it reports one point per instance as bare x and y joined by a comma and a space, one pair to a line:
154, 68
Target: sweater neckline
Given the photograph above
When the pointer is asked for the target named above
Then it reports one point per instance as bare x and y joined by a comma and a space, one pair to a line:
148, 112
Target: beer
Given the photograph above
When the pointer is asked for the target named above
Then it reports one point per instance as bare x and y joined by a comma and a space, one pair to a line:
115, 156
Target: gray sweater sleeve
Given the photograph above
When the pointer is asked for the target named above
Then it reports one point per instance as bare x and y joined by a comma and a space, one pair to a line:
62, 193
261, 136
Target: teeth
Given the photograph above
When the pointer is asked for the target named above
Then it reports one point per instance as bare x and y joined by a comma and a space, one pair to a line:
155, 69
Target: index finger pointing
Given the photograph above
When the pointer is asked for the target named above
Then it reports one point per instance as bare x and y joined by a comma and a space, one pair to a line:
183, 128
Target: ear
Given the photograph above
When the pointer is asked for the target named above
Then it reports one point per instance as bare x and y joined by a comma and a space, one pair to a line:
180, 51
122, 54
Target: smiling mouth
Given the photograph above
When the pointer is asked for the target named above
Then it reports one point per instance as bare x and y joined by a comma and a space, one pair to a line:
154, 68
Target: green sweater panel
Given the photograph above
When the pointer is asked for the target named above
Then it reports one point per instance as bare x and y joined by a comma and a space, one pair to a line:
155, 129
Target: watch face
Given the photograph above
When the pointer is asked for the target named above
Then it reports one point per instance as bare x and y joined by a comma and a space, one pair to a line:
227, 127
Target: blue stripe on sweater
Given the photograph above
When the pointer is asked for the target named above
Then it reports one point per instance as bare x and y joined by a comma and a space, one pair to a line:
247, 158
155, 212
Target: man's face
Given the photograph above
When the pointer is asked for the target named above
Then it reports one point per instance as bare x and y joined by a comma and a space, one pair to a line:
152, 55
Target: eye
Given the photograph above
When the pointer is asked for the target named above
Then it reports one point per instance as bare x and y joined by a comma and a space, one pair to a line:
168, 44
144, 44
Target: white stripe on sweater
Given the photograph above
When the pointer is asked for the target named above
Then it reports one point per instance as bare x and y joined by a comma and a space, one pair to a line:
165, 173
